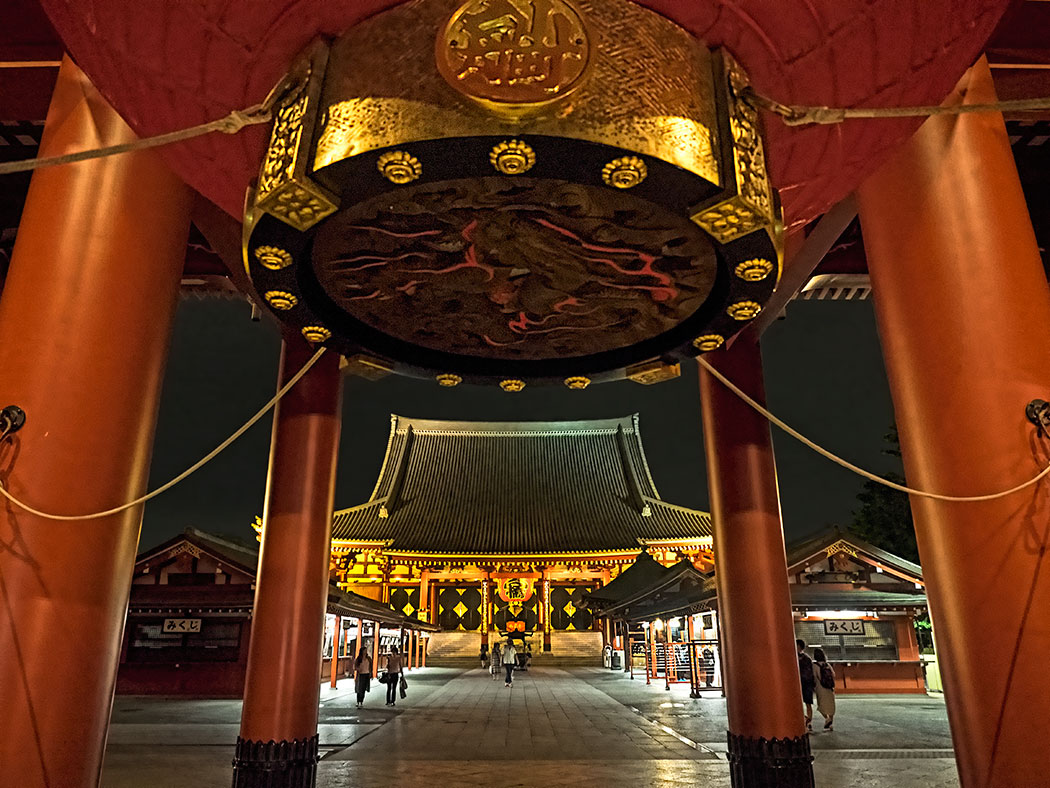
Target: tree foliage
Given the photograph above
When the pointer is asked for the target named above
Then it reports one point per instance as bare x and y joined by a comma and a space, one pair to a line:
884, 517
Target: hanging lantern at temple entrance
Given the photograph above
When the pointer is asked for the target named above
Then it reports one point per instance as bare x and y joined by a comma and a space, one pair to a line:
494, 192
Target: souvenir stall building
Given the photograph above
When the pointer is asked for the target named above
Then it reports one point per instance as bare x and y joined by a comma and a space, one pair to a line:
856, 601
189, 621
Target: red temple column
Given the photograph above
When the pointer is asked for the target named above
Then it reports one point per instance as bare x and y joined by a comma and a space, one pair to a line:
85, 325
357, 647
768, 745
335, 651
486, 609
282, 685
963, 311
545, 610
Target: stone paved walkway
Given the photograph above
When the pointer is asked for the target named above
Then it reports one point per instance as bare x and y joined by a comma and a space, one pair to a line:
582, 727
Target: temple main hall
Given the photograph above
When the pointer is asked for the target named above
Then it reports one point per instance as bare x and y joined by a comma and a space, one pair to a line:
472, 522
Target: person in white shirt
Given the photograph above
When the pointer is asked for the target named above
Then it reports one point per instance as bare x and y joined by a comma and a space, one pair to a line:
510, 659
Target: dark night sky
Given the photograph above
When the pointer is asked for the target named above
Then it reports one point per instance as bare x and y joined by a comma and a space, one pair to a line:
824, 376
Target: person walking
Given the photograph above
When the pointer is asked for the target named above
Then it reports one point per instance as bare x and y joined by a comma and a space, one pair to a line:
806, 676
362, 676
510, 659
393, 675
825, 687
484, 656
497, 661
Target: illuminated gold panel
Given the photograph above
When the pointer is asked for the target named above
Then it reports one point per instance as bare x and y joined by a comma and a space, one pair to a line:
650, 89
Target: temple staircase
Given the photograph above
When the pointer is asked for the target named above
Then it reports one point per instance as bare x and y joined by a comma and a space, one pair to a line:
568, 649
454, 649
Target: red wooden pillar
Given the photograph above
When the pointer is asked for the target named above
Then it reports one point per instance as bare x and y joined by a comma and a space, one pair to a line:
768, 745
85, 324
283, 678
357, 647
486, 610
336, 633
651, 669
375, 648
963, 311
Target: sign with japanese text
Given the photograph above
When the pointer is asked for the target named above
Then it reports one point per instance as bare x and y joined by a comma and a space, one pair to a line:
182, 625
849, 626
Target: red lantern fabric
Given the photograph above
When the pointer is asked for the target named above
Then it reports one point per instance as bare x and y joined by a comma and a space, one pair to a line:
165, 66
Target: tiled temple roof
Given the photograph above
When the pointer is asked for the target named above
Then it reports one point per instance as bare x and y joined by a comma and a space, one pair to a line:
516, 488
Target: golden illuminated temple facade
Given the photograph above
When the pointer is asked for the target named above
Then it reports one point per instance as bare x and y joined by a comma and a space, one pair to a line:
497, 526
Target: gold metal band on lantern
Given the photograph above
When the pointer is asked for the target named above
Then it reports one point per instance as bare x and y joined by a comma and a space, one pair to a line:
401, 79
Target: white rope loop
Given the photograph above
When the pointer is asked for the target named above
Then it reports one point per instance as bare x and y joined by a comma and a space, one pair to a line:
849, 465
803, 116
186, 473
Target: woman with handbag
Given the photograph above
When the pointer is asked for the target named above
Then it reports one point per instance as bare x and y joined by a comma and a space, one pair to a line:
393, 675
362, 676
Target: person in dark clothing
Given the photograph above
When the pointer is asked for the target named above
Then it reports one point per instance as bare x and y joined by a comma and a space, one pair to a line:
362, 676
393, 675
808, 679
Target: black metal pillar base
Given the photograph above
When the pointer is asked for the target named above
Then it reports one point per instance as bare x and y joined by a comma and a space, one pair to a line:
770, 763
275, 764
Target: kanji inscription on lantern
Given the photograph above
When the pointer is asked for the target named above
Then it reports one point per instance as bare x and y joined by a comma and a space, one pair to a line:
514, 590
514, 51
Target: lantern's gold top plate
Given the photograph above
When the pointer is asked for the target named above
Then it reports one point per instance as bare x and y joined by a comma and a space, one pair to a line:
520, 52
641, 83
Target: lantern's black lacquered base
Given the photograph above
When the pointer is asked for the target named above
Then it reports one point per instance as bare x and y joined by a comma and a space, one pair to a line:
275, 764
770, 763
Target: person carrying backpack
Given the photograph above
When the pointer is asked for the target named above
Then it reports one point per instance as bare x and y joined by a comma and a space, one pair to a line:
825, 687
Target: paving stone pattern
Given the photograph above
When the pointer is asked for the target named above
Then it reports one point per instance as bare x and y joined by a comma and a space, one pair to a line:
555, 727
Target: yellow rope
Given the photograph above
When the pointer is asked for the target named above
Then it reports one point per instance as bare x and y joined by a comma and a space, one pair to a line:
849, 465
192, 469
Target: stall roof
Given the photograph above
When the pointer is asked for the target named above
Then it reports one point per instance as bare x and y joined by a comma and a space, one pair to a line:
815, 596
645, 571
677, 579
802, 553
347, 603
243, 557
656, 599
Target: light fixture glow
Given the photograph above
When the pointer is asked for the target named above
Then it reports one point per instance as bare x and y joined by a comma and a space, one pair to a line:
838, 614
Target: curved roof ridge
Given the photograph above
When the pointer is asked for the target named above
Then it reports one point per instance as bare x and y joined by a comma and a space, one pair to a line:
676, 507
512, 429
